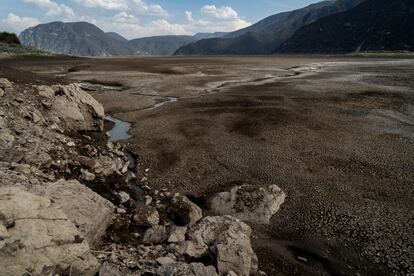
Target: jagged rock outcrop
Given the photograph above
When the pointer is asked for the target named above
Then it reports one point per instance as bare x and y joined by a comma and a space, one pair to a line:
74, 107
91, 213
39, 238
249, 203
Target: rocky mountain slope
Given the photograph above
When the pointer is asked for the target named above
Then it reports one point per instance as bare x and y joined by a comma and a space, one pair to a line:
375, 25
71, 204
266, 35
79, 38
85, 39
117, 36
159, 45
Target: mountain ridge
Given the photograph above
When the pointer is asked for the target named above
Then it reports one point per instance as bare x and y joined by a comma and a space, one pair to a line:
374, 25
267, 34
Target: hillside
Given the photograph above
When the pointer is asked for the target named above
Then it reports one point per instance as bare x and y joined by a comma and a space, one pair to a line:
159, 45
117, 36
79, 38
266, 35
375, 25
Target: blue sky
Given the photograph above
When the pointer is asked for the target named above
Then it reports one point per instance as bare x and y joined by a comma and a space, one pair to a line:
139, 18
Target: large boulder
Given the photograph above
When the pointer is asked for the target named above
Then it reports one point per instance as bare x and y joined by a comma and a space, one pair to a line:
249, 203
91, 213
38, 238
184, 212
74, 107
229, 238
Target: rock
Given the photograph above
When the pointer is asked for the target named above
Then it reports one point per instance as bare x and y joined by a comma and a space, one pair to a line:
1, 92
231, 238
6, 138
177, 234
45, 91
5, 84
120, 211
90, 212
35, 118
184, 212
108, 270
71, 144
3, 231
124, 197
164, 260
125, 167
148, 200
87, 176
192, 269
155, 235
130, 177
146, 216
41, 237
249, 203
78, 110
192, 249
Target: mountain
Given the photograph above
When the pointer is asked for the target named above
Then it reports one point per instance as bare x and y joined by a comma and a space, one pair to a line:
79, 38
209, 35
85, 39
117, 36
159, 45
374, 25
267, 34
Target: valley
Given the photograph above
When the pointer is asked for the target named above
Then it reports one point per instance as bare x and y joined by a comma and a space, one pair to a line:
335, 133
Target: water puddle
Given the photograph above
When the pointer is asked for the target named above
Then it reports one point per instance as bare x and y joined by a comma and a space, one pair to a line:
157, 105
119, 131
89, 86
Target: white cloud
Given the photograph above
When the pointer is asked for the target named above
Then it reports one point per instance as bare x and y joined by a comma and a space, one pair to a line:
17, 23
130, 27
224, 12
150, 9
105, 4
189, 16
53, 8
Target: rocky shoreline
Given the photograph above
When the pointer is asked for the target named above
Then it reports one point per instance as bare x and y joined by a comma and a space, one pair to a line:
71, 205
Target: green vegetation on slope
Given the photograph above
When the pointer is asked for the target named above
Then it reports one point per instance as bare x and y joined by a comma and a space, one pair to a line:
15, 50
9, 38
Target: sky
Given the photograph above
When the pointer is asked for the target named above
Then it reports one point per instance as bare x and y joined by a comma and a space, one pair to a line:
141, 18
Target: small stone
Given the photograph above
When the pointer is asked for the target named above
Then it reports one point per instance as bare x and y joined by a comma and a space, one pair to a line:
35, 118
87, 176
146, 216
177, 234
19, 100
124, 168
155, 235
5, 83
3, 231
164, 260
1, 92
148, 200
302, 259
144, 179
121, 211
147, 170
125, 197
71, 144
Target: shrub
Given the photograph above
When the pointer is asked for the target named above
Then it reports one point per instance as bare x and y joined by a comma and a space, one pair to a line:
9, 38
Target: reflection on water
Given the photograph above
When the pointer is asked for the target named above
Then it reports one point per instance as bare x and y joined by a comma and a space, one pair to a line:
119, 131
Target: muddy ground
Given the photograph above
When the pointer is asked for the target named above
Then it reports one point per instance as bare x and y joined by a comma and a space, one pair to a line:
335, 133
